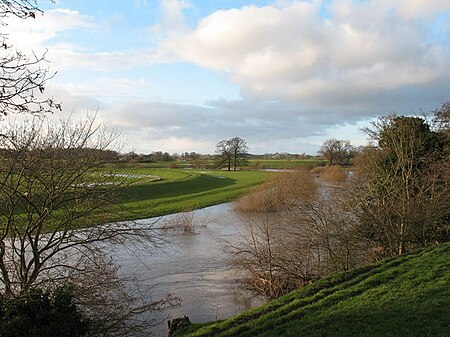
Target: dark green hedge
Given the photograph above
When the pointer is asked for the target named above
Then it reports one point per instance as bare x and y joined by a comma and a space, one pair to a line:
39, 314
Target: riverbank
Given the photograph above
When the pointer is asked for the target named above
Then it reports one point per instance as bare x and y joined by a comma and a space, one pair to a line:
192, 266
171, 191
406, 296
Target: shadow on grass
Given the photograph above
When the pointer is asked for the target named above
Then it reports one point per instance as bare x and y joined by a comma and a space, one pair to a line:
169, 189
405, 296
426, 315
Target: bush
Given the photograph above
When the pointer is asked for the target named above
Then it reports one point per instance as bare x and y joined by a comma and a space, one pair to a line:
333, 174
318, 170
279, 193
39, 314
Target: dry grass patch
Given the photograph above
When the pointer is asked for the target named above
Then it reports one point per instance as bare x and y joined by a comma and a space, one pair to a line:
333, 174
279, 193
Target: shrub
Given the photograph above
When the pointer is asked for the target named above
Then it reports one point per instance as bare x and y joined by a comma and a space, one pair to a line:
279, 193
333, 174
318, 170
39, 314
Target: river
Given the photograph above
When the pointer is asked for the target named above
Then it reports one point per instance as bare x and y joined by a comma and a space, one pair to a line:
193, 267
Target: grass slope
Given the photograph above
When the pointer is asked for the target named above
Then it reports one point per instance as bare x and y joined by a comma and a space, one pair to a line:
175, 191
180, 190
406, 296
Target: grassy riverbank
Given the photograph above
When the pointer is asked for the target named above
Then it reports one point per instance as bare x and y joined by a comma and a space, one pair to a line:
284, 163
178, 190
252, 163
406, 296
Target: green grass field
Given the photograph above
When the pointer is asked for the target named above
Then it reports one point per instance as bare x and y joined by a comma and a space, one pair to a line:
284, 163
179, 190
253, 163
406, 296
169, 164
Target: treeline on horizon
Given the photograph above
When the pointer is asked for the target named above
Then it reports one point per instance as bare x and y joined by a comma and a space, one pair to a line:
160, 156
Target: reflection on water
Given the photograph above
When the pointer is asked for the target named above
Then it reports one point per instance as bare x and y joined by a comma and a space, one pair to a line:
193, 267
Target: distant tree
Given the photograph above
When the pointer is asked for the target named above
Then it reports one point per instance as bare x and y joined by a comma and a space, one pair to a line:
157, 156
231, 153
129, 157
328, 150
194, 156
166, 157
337, 151
239, 149
224, 153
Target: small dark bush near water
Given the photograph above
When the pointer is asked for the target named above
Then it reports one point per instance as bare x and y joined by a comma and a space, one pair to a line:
40, 314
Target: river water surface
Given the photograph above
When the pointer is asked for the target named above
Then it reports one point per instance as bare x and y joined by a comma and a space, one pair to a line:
193, 267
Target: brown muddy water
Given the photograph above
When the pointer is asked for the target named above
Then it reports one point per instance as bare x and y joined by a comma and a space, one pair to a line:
193, 267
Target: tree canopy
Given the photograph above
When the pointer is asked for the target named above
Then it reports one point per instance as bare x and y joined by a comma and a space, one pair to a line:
337, 151
231, 153
401, 191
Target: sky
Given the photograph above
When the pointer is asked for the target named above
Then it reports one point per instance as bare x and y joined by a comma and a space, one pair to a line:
181, 75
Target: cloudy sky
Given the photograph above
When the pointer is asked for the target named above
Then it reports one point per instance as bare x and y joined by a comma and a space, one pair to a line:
180, 75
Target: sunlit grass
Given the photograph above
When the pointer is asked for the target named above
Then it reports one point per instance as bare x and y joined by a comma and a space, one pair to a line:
407, 296
151, 192
179, 190
284, 163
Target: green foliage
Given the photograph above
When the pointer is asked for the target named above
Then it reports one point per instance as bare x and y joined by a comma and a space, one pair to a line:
406, 296
39, 314
401, 190
409, 139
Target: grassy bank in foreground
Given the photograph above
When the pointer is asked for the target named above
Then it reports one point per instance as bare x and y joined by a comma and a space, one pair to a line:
179, 190
407, 296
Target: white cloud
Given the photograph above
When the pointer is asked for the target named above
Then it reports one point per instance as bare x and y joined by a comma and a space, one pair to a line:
173, 17
300, 72
68, 58
172, 22
411, 9
33, 34
291, 52
103, 88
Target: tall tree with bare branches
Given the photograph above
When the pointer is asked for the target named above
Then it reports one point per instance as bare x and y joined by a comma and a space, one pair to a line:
231, 153
53, 197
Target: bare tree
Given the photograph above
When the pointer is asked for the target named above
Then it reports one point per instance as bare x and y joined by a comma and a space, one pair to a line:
224, 153
441, 125
239, 149
231, 152
337, 151
22, 77
20, 8
53, 198
295, 233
